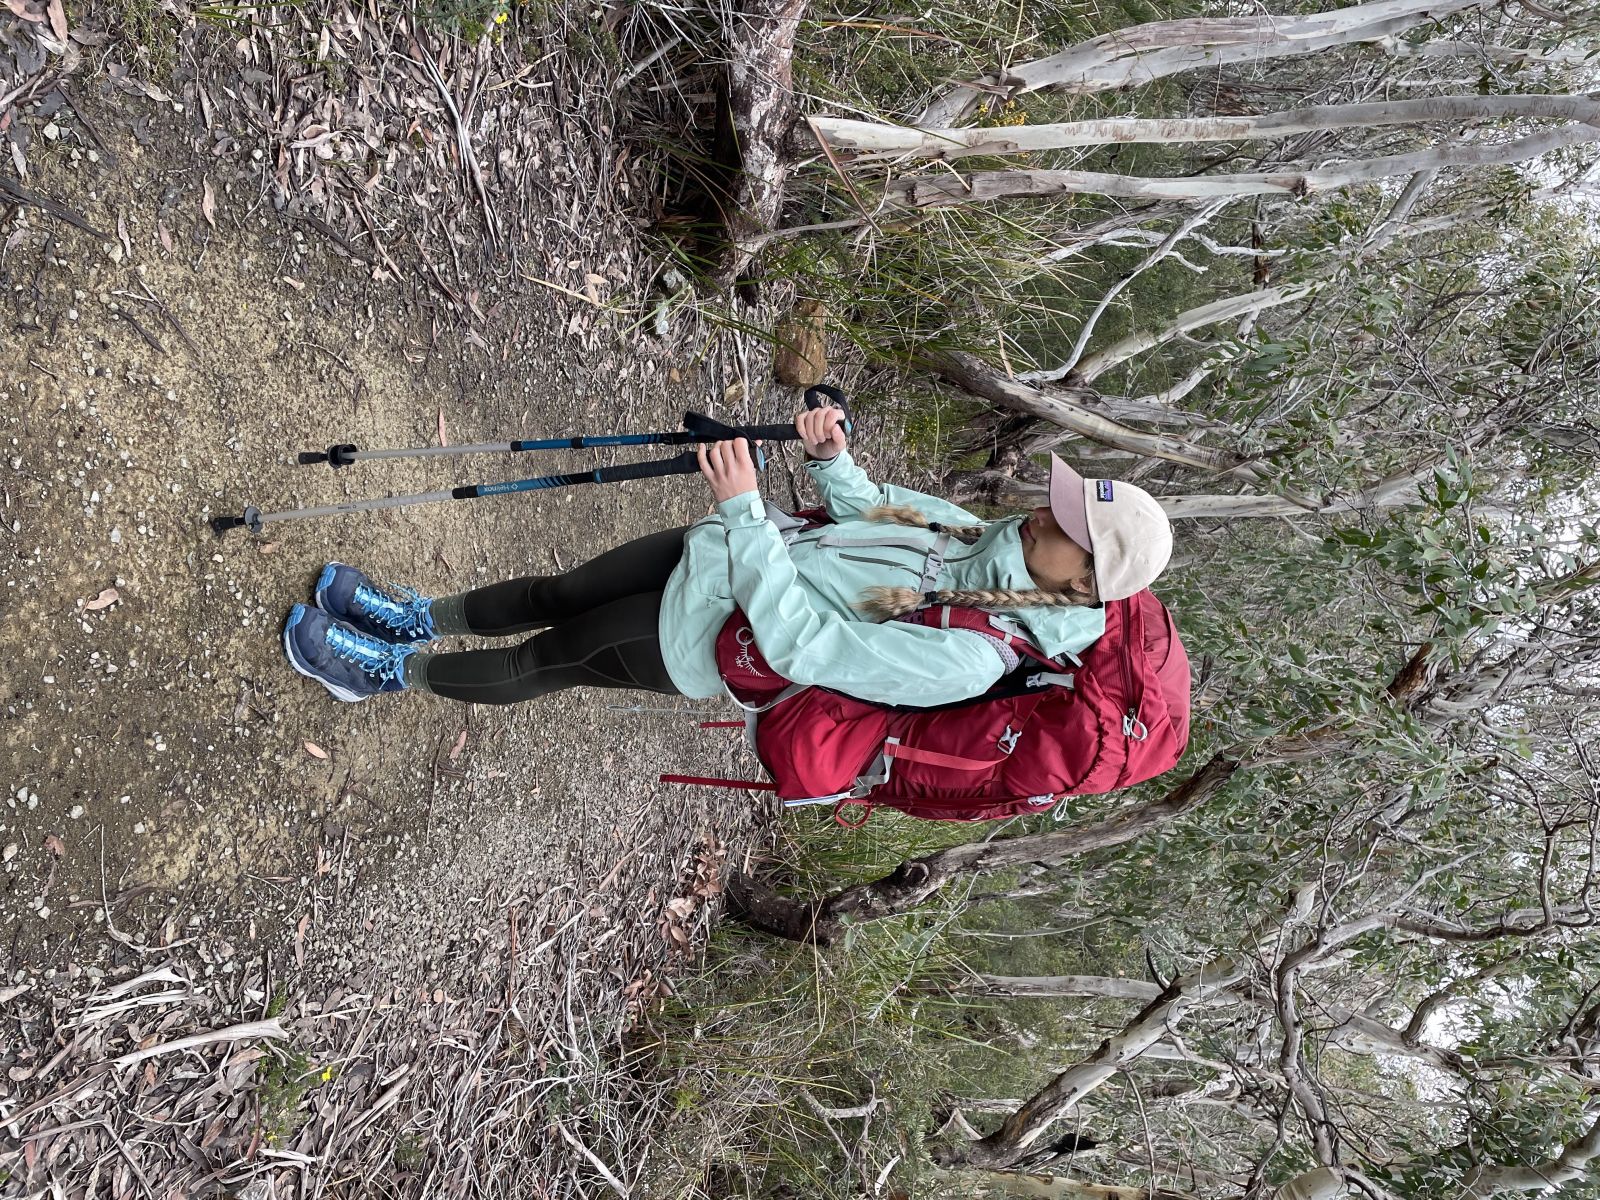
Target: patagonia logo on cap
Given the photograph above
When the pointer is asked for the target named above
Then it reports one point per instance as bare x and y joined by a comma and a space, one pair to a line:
1102, 488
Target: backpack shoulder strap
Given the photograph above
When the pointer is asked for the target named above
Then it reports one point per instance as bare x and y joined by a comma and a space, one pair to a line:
982, 621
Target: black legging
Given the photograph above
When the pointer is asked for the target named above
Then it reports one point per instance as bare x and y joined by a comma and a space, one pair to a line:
603, 619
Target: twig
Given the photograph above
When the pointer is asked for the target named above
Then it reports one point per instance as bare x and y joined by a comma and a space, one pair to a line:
13, 191
463, 142
604, 1170
105, 904
161, 307
645, 63
336, 358
143, 332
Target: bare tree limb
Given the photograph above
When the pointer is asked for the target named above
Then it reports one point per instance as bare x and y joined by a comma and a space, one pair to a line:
1028, 1124
934, 191
1143, 53
874, 141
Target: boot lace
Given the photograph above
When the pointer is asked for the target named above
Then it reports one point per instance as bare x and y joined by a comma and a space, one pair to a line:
380, 660
406, 615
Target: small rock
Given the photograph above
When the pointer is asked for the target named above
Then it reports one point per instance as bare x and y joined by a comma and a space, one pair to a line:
8, 853
51, 131
76, 812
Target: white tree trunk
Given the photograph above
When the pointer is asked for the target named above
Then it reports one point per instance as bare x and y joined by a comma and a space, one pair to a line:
1557, 56
1398, 492
1323, 1183
1142, 53
871, 141
1570, 1164
935, 191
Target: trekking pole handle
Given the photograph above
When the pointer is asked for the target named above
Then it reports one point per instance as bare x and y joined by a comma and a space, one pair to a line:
687, 463
821, 396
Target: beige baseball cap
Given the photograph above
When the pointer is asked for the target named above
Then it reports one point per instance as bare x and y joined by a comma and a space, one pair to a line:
1120, 524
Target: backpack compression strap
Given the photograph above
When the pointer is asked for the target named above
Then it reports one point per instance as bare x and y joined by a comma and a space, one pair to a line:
934, 758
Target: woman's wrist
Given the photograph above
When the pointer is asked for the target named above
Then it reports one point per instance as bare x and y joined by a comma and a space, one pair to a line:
745, 508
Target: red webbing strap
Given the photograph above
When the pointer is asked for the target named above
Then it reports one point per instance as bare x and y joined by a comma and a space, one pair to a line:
843, 806
708, 781
934, 758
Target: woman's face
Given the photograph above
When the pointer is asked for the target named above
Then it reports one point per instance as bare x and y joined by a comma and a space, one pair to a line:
1053, 559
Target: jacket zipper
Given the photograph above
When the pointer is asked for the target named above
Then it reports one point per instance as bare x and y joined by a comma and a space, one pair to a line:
1131, 725
878, 562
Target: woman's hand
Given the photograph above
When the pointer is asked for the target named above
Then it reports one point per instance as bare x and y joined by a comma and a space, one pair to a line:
821, 432
728, 467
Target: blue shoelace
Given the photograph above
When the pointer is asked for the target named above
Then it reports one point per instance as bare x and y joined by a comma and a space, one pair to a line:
402, 616
379, 660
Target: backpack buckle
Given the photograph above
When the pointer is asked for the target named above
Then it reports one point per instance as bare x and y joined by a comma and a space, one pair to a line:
1009, 739
1133, 727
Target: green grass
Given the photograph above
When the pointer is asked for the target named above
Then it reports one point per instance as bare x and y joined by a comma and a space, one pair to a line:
410, 1152
151, 31
283, 1079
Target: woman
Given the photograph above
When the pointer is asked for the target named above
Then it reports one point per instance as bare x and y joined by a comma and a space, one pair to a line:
646, 614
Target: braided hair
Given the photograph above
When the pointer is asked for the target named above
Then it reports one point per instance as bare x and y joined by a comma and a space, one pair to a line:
885, 603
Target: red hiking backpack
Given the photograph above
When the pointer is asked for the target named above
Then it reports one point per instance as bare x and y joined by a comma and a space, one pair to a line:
1043, 732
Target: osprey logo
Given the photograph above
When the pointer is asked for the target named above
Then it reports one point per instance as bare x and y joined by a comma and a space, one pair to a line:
1102, 490
745, 637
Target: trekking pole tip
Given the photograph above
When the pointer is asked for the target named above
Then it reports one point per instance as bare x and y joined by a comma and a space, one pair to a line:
249, 519
342, 455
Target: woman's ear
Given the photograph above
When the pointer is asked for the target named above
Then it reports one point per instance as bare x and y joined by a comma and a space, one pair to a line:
1085, 584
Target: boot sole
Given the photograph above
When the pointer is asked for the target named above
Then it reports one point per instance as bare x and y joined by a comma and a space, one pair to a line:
293, 656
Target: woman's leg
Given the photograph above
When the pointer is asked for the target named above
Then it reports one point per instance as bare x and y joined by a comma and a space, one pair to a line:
614, 646
536, 601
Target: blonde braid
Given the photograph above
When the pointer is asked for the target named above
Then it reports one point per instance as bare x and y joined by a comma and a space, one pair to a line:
886, 603
904, 514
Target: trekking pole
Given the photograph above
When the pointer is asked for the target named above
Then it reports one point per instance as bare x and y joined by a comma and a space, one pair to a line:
696, 428
687, 463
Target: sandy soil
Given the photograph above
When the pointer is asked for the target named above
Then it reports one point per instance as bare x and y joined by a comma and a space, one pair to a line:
173, 792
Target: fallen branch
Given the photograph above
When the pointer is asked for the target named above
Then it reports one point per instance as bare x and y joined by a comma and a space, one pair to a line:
248, 1032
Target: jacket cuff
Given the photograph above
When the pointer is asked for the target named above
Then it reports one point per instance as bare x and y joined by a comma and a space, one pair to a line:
827, 464
743, 511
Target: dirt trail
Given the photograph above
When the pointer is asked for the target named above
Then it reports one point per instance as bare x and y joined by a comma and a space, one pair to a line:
174, 793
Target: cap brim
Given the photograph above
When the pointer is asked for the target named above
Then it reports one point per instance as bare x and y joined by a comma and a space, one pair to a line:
1069, 503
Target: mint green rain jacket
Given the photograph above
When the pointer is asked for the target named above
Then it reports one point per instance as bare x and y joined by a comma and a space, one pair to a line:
797, 590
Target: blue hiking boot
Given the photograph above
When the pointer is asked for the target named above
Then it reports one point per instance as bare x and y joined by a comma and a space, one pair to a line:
350, 664
393, 614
